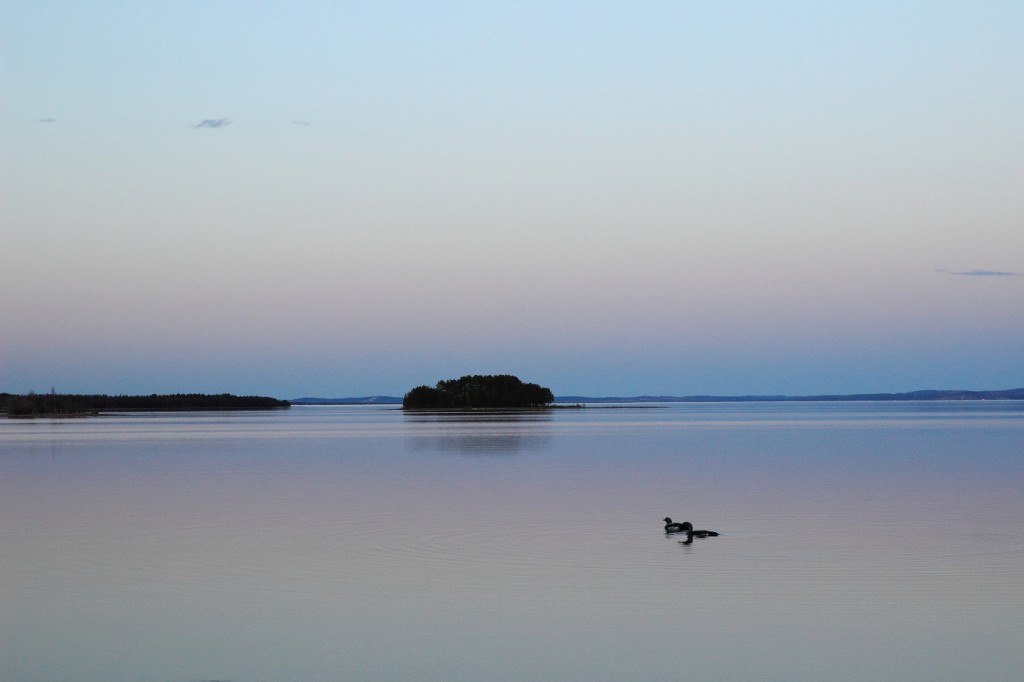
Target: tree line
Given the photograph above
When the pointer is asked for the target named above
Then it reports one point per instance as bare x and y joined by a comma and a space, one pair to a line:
478, 391
64, 403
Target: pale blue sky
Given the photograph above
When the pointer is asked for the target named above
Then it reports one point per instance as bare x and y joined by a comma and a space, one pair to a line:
606, 198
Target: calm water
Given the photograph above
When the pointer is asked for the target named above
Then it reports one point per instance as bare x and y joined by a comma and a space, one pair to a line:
858, 541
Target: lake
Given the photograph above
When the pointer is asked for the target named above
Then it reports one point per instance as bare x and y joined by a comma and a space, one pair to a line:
880, 541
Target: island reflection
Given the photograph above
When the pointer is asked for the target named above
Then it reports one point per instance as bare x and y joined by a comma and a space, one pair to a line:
478, 433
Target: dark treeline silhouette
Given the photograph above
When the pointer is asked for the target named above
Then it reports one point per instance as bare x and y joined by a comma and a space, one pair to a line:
477, 391
61, 403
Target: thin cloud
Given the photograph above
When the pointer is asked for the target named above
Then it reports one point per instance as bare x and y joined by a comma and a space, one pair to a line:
982, 273
45, 120
302, 123
213, 123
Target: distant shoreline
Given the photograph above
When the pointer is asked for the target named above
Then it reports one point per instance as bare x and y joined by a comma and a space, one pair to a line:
74, 405
928, 395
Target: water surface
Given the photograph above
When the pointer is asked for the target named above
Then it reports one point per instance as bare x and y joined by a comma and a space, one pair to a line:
858, 541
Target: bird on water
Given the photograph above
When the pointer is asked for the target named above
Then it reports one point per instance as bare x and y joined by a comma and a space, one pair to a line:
687, 527
671, 527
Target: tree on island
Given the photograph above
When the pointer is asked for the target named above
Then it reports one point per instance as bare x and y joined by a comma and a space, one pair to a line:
475, 391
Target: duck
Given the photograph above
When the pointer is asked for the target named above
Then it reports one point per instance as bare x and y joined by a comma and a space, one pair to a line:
687, 527
672, 527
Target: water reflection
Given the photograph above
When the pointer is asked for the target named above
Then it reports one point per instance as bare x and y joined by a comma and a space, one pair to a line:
479, 433
477, 416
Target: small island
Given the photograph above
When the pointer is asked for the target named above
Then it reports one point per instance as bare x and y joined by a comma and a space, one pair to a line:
476, 391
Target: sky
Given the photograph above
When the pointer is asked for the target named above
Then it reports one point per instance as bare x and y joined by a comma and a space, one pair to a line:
606, 198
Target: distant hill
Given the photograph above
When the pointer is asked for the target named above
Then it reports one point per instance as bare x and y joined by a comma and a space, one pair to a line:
1008, 394
368, 400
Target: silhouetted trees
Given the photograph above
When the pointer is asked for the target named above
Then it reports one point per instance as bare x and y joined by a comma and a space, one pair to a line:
56, 403
476, 391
